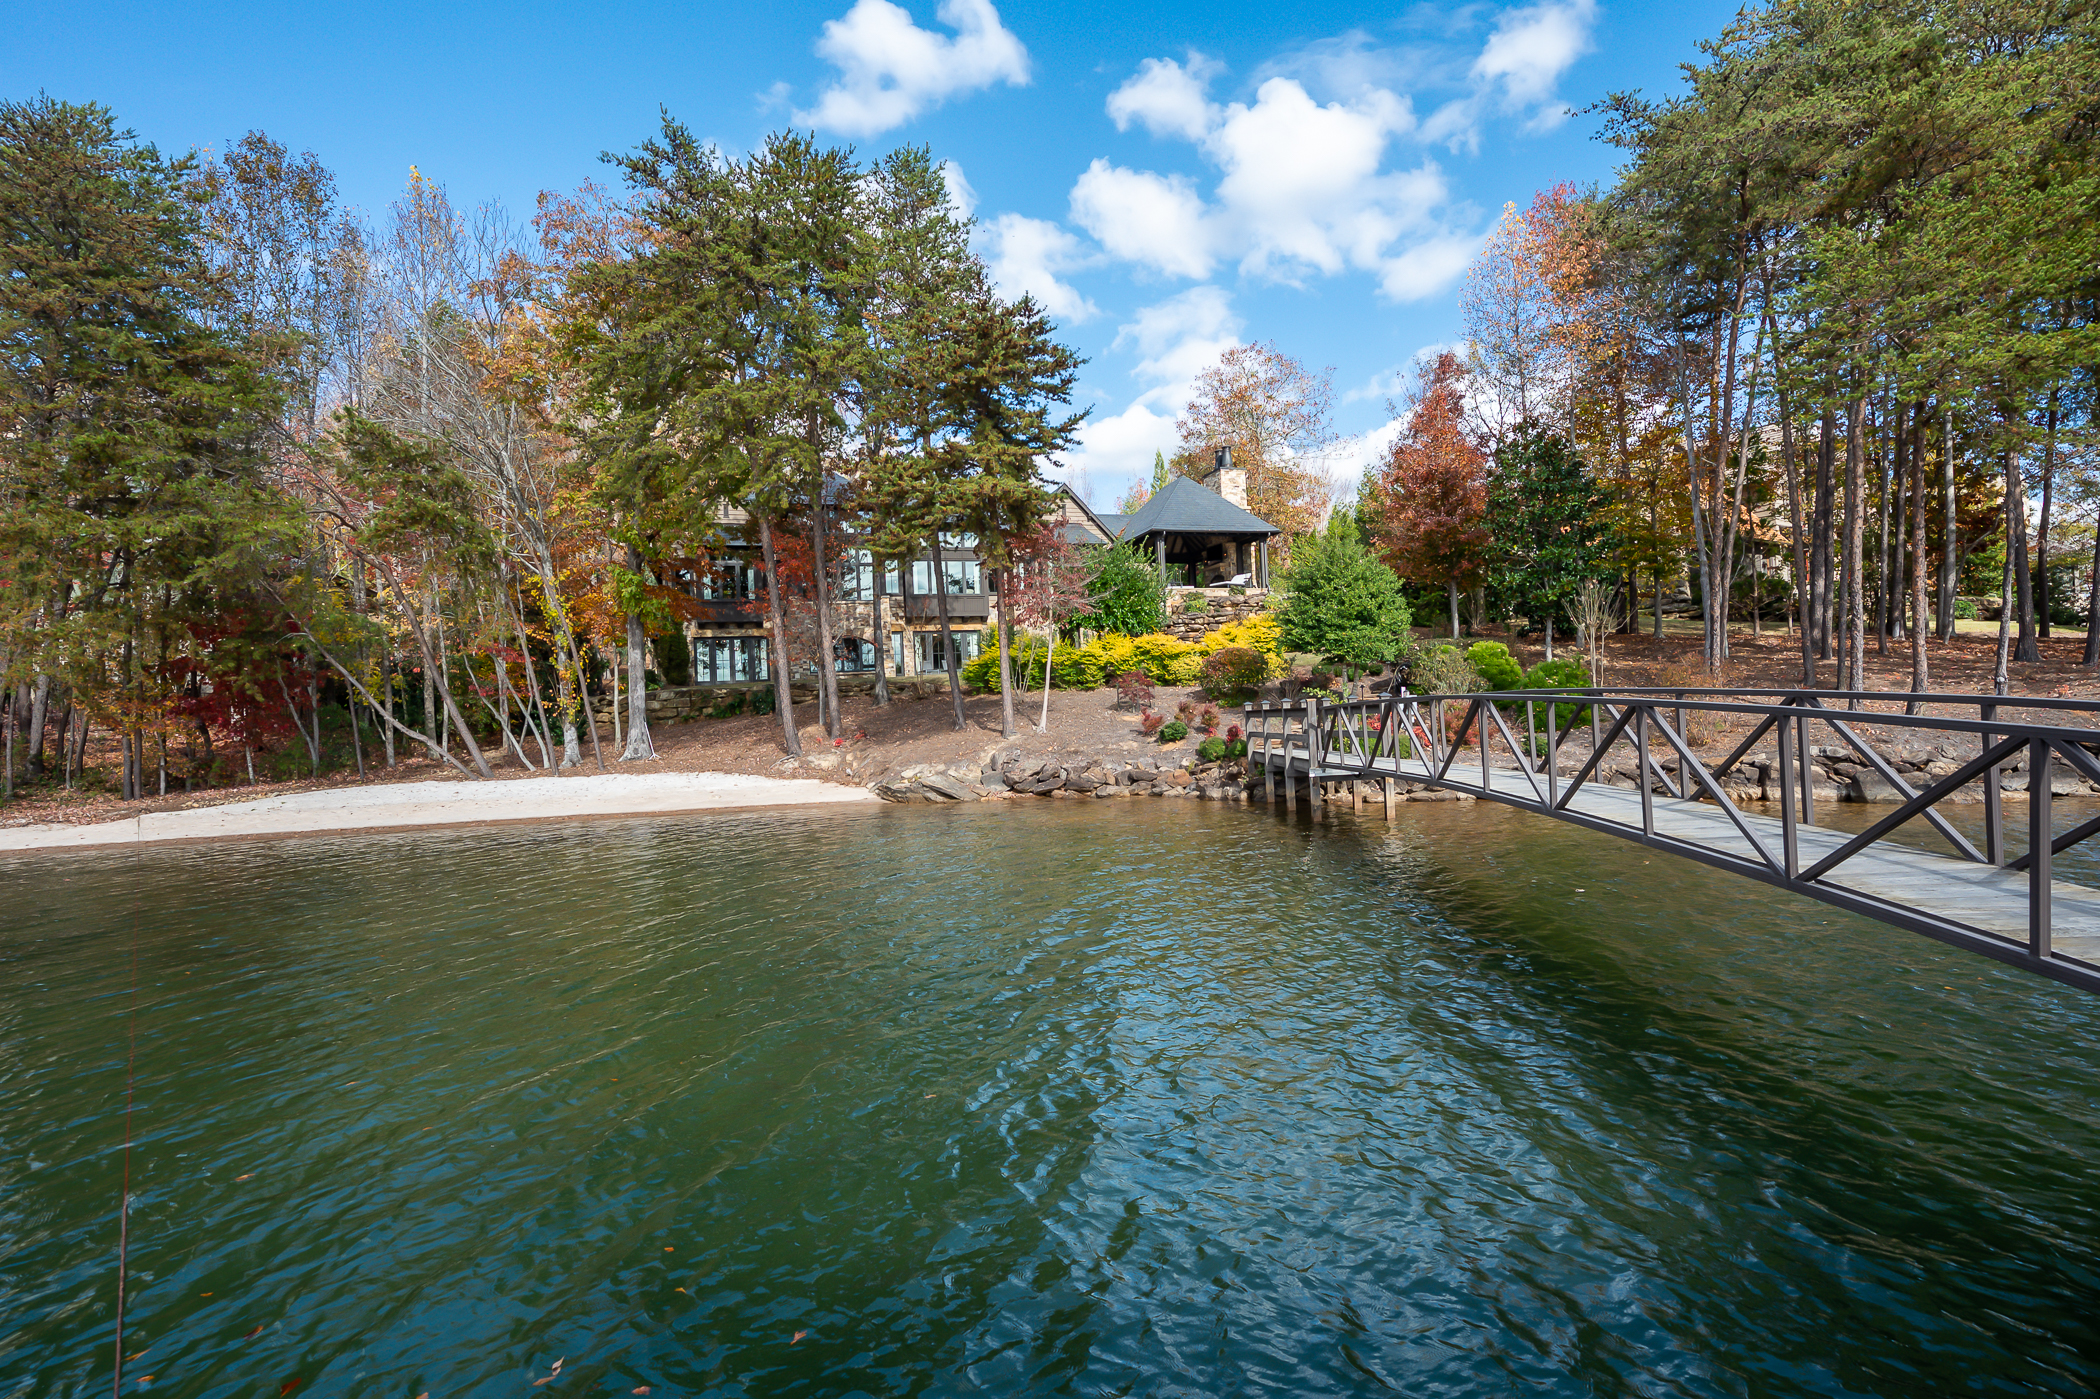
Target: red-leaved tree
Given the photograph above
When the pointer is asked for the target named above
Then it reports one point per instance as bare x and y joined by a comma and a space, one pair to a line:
1431, 492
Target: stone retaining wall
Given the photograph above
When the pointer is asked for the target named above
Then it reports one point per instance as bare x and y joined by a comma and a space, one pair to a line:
1224, 607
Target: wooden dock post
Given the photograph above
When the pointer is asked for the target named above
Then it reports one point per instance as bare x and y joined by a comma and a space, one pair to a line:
1391, 795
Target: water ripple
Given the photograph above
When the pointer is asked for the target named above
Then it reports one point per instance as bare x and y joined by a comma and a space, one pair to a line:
1152, 1099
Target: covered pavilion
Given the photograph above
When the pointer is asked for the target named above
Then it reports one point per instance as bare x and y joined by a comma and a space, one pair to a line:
1187, 526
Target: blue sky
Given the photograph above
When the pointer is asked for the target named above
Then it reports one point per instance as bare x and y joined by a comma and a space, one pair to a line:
1169, 179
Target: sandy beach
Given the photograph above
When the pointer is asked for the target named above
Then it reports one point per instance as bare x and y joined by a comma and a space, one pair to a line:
449, 803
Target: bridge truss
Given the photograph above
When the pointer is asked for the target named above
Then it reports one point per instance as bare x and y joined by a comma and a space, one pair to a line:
1625, 768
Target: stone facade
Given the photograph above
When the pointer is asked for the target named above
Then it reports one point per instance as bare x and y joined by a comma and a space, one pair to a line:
1224, 606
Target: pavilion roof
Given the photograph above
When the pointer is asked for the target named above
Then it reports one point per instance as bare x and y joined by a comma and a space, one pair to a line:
1183, 506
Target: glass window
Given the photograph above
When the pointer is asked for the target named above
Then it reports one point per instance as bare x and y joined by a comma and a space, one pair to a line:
850, 653
897, 651
719, 659
732, 580
856, 576
933, 658
964, 577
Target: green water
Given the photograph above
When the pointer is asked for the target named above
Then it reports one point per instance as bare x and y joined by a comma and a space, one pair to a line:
1066, 1098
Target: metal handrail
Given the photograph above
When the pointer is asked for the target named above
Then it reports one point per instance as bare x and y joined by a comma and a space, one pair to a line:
1356, 739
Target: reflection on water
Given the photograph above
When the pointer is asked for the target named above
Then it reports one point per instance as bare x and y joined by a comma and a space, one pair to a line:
1066, 1098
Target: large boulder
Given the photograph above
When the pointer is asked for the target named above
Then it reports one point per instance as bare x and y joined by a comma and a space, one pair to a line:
946, 787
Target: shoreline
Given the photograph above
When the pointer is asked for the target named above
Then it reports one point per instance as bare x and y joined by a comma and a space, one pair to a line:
438, 804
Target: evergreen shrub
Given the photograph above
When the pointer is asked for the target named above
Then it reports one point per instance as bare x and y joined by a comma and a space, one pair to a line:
1498, 670
1173, 732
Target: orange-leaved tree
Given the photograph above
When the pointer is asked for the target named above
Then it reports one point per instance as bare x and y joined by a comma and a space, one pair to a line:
1431, 492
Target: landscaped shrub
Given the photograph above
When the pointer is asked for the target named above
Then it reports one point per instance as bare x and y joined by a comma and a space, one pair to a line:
1173, 732
1560, 675
1208, 719
1214, 750
1126, 590
1498, 669
1261, 632
1150, 722
1168, 659
1444, 671
1964, 609
1076, 668
762, 701
1116, 652
1193, 602
981, 671
1234, 672
1133, 690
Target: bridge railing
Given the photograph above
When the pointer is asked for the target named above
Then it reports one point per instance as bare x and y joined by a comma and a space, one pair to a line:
1473, 743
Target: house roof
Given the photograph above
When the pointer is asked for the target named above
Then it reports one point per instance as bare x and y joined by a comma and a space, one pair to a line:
1183, 506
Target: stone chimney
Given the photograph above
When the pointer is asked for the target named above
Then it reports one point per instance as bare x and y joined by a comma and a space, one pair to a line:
1226, 479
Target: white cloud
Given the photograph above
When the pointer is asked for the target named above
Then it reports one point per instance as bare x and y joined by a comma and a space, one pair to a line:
1026, 255
961, 198
1303, 186
1167, 97
1531, 48
890, 70
1156, 221
1178, 339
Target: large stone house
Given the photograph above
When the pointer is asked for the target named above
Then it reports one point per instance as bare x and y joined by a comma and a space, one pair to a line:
729, 635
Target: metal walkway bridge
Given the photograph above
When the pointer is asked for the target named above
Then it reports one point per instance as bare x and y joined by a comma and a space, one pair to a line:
1989, 901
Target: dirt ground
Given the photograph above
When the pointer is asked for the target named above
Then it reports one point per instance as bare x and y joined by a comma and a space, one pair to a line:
884, 740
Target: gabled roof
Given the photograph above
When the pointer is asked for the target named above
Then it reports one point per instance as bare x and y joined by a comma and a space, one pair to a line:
1088, 528
1183, 506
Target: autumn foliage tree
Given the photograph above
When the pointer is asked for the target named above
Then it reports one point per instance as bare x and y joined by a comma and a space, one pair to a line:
1275, 414
1426, 503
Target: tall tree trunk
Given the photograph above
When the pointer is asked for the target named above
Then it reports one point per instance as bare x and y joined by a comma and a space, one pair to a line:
940, 594
1006, 670
2016, 543
1452, 584
1855, 527
827, 663
2041, 533
1950, 551
882, 636
1918, 662
1042, 725
2000, 679
1793, 503
783, 692
39, 711
639, 745
2092, 608
1882, 594
1822, 535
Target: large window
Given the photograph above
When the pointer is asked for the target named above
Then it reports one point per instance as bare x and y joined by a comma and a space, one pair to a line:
933, 659
732, 580
850, 653
963, 576
856, 576
717, 659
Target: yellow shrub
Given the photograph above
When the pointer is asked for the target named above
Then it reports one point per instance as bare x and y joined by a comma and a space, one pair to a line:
1115, 652
1160, 655
1262, 632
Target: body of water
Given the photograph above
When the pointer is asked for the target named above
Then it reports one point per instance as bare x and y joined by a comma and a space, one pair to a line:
1064, 1098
